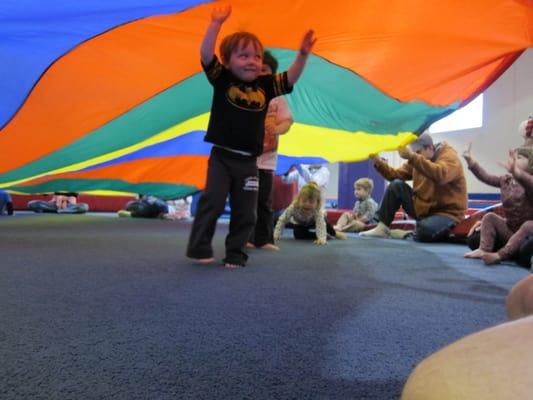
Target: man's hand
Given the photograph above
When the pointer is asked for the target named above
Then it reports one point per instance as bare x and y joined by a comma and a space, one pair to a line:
405, 152
220, 14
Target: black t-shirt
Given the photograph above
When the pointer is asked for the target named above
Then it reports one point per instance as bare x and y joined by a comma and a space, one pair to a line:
239, 108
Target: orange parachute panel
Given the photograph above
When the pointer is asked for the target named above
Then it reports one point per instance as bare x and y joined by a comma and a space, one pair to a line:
437, 52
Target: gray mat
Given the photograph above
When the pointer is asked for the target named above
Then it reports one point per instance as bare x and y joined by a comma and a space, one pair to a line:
108, 308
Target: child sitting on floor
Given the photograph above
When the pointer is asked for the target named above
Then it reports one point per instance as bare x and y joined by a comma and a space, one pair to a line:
363, 211
306, 213
517, 202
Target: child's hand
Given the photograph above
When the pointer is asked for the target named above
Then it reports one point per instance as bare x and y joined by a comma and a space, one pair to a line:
307, 43
220, 14
320, 242
510, 164
467, 154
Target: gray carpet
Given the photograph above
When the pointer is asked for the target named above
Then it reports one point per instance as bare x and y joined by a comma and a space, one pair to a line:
105, 308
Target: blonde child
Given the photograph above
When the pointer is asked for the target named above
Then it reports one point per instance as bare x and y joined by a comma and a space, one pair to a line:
517, 201
306, 213
236, 129
363, 211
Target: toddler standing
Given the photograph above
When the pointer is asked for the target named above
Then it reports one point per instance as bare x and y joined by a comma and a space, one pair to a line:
236, 128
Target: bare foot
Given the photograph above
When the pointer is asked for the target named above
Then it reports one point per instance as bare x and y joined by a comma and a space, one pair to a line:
477, 253
491, 258
270, 246
341, 235
250, 245
204, 261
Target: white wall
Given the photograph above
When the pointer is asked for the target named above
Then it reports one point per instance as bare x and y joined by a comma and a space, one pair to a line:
506, 103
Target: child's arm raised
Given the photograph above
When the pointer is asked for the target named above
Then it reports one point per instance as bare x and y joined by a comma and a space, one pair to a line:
218, 17
521, 176
298, 65
477, 170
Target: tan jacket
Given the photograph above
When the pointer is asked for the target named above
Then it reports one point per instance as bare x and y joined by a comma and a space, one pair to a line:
439, 185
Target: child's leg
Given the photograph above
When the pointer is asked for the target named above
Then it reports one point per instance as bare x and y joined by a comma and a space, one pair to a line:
263, 231
329, 228
493, 227
343, 221
354, 226
9, 208
302, 232
210, 207
243, 203
512, 246
333, 232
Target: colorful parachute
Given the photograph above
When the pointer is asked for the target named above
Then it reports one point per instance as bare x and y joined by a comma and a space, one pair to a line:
109, 95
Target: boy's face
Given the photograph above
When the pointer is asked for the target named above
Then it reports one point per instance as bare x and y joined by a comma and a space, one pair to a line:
360, 193
246, 62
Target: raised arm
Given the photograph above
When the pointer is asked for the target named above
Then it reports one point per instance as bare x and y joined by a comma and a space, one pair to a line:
521, 176
291, 176
403, 172
218, 16
477, 170
297, 67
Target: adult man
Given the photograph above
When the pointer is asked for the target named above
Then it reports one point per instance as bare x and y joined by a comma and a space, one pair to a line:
438, 198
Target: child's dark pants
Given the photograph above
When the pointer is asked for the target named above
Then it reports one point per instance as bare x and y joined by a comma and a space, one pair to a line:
230, 174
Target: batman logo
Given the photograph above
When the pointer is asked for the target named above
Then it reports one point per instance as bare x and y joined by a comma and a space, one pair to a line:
247, 97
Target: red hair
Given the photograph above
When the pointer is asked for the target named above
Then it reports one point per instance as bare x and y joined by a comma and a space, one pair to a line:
236, 41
